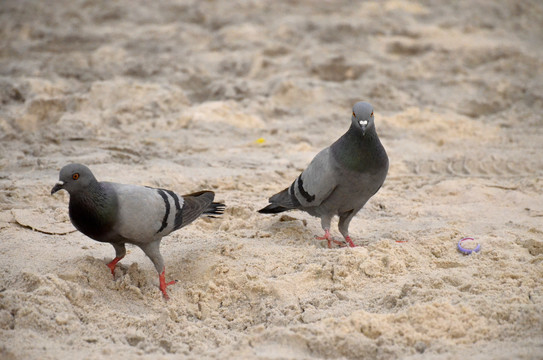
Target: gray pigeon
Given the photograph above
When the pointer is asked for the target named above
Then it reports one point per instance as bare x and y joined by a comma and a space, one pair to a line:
340, 179
139, 215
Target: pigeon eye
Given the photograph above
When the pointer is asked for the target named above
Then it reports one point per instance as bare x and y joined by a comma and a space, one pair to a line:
75, 176
371, 113
354, 114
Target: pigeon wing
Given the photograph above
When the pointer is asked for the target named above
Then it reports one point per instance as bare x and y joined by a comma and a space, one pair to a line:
317, 182
145, 213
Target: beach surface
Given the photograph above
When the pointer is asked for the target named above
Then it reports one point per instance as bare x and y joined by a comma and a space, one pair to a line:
237, 97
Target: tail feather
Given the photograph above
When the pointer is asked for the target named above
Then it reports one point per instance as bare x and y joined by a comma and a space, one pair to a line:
199, 203
273, 209
216, 208
282, 201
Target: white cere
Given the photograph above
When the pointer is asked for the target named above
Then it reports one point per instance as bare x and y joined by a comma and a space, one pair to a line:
363, 122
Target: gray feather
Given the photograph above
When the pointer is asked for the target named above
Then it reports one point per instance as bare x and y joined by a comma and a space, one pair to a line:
120, 213
341, 178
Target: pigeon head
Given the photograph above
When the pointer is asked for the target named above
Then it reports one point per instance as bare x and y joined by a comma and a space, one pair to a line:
362, 116
73, 177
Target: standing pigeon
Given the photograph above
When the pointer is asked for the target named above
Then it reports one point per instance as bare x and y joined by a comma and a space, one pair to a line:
139, 215
340, 179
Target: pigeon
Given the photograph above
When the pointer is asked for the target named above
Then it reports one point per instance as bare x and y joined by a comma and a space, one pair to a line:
340, 179
119, 214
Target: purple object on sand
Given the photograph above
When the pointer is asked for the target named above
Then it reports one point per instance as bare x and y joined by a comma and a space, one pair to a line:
468, 251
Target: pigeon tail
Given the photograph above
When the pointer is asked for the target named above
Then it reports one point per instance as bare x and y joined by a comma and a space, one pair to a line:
199, 203
216, 208
282, 201
273, 209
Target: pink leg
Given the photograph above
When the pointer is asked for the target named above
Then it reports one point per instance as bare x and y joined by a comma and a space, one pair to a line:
350, 241
164, 284
328, 238
112, 264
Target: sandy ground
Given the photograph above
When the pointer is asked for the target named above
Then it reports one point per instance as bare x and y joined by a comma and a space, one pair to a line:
176, 95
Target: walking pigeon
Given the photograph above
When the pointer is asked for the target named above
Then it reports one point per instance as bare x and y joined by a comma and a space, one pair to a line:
139, 215
340, 179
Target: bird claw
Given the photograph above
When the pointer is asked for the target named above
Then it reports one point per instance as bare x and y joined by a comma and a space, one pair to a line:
349, 242
112, 265
326, 237
163, 284
330, 239
112, 268
341, 244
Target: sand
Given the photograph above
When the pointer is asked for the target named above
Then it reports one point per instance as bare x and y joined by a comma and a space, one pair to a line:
237, 97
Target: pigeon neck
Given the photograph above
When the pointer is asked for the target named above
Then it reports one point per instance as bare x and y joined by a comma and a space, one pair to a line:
93, 210
358, 151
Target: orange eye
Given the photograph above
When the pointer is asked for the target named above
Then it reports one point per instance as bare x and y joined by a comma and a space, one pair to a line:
354, 114
75, 176
371, 113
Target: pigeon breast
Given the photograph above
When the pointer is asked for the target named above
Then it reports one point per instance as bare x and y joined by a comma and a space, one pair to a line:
94, 211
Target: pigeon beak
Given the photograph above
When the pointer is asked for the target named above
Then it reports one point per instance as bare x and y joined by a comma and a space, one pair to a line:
363, 125
58, 186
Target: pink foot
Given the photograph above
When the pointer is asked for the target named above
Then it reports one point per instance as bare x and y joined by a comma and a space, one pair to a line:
112, 264
164, 284
350, 242
328, 238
